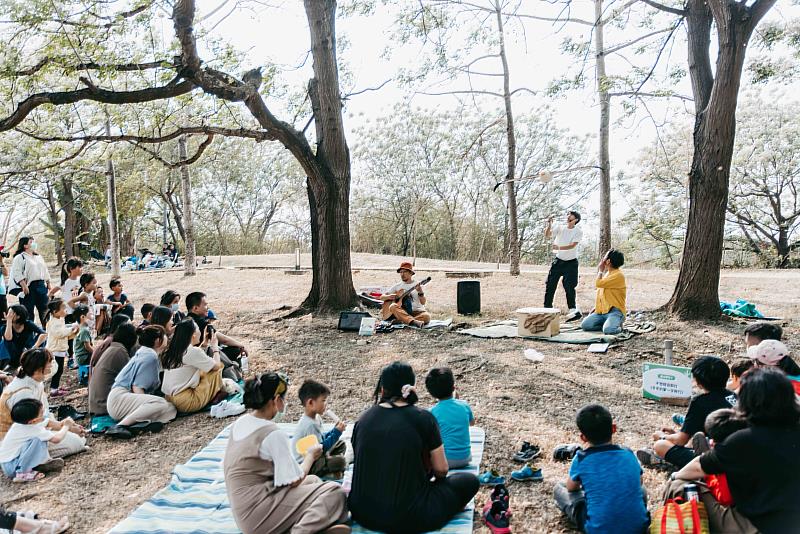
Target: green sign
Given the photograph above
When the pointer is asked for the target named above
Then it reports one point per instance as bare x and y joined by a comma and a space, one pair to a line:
666, 382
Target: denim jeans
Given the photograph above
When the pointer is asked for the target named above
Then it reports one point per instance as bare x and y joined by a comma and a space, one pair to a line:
610, 323
572, 504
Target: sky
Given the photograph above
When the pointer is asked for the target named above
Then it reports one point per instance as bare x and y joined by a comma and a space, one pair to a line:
279, 34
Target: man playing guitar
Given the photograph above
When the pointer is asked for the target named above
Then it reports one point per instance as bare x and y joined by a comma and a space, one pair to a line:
394, 309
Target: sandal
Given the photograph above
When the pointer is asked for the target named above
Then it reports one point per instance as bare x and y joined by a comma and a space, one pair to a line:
28, 476
48, 526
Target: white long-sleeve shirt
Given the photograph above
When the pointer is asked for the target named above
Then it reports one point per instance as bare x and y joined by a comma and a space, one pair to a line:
29, 267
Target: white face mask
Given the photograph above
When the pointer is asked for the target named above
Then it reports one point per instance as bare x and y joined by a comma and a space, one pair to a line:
34, 245
280, 414
175, 307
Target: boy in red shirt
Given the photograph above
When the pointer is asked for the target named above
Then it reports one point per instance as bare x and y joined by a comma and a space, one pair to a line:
719, 425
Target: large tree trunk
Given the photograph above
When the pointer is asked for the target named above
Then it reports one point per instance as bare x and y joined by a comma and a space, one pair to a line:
113, 230
696, 294
189, 265
329, 174
511, 188
52, 213
66, 198
604, 242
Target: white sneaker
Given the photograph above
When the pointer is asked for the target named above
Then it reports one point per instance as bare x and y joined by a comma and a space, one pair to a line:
573, 315
226, 409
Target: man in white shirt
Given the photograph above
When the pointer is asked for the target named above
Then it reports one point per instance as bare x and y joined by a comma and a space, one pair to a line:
419, 316
565, 264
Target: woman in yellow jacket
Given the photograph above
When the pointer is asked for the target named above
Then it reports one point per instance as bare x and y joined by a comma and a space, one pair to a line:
609, 303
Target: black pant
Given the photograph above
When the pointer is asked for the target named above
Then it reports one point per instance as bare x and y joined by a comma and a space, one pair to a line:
7, 519
126, 310
36, 299
3, 306
56, 381
569, 271
432, 509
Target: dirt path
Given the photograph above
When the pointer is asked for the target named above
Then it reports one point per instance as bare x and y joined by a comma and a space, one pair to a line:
513, 399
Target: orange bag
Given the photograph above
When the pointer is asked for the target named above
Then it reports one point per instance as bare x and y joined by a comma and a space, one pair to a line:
680, 517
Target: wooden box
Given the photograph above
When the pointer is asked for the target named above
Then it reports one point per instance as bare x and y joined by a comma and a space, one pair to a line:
538, 322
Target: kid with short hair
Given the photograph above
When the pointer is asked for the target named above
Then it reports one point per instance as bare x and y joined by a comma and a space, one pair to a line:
314, 397
119, 300
711, 376
738, 368
83, 341
603, 492
453, 415
58, 336
146, 311
25, 445
719, 425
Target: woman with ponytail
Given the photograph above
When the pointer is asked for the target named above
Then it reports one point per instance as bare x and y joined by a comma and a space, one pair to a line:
268, 490
398, 449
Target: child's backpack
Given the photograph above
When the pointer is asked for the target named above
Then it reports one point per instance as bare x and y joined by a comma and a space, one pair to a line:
680, 517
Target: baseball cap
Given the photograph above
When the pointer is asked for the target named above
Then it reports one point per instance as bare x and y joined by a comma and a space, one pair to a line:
768, 352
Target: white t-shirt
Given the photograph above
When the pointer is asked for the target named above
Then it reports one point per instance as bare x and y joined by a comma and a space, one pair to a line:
70, 289
563, 236
275, 448
28, 388
187, 376
416, 305
18, 435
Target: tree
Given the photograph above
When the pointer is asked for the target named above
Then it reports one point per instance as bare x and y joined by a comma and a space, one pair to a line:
327, 168
696, 294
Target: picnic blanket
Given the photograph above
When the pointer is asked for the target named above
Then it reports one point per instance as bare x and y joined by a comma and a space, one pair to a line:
195, 501
570, 333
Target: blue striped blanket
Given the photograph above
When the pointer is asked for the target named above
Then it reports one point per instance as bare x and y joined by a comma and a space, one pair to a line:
195, 501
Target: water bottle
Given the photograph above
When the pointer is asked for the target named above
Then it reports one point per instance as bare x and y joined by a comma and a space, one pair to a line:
690, 492
245, 365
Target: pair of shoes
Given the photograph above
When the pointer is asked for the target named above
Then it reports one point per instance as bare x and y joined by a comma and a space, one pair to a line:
50, 466
678, 419
146, 426
118, 432
573, 315
65, 410
226, 409
648, 458
527, 473
491, 478
527, 453
565, 452
28, 476
496, 517
700, 443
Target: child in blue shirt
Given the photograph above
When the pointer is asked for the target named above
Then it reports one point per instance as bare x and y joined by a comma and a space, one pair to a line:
603, 492
453, 415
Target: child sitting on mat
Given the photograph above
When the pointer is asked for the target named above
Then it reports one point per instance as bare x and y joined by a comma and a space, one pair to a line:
25, 445
453, 415
603, 492
314, 397
711, 375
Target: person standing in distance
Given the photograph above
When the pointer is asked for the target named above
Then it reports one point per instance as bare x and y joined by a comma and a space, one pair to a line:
565, 263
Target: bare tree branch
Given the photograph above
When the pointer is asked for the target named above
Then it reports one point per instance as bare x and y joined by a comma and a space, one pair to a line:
662, 7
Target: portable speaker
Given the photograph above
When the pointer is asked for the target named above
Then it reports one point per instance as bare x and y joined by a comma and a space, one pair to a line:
468, 297
350, 321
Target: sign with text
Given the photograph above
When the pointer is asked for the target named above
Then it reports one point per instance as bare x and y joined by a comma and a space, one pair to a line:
667, 383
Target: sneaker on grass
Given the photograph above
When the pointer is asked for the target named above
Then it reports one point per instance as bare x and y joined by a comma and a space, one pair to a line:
527, 473
496, 518
491, 478
573, 315
648, 458
678, 419
527, 453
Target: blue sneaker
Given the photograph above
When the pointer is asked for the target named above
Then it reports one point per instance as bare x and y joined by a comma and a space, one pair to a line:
678, 419
527, 473
491, 478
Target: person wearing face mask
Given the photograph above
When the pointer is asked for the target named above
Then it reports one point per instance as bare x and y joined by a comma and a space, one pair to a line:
30, 278
132, 400
268, 490
172, 300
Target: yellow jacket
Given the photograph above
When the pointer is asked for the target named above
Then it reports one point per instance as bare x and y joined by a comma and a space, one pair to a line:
610, 292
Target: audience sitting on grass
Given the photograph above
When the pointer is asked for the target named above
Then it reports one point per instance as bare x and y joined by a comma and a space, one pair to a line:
761, 462
19, 335
710, 374
609, 304
35, 368
162, 316
172, 300
719, 425
197, 306
24, 456
603, 492
119, 300
132, 401
314, 399
453, 416
772, 353
108, 365
400, 468
267, 489
58, 337
192, 380
738, 368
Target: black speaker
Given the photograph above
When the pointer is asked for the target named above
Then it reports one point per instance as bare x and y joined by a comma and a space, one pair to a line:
468, 297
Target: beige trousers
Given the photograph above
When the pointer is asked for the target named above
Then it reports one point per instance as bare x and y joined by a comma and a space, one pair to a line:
401, 315
129, 408
192, 400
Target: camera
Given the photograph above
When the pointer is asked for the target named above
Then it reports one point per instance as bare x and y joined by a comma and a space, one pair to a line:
4, 254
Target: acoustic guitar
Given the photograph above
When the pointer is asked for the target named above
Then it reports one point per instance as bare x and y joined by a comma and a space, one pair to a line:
402, 296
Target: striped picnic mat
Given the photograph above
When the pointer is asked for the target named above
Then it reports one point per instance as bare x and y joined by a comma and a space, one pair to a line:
195, 501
